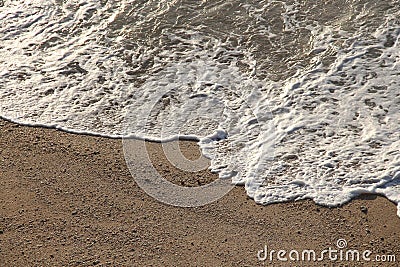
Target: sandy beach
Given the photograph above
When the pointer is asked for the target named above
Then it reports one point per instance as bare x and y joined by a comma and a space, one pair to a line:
70, 200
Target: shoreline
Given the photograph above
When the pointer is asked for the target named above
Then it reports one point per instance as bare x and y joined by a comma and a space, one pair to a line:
69, 199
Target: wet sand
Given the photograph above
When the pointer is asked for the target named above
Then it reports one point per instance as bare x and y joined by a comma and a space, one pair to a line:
70, 200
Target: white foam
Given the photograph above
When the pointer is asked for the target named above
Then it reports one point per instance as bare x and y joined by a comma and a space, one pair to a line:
308, 109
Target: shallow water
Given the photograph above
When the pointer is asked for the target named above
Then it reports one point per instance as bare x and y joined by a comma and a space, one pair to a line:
293, 99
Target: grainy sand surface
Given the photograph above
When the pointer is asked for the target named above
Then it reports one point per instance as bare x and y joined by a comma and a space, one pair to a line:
69, 200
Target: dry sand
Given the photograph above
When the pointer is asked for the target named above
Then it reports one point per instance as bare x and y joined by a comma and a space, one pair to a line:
69, 200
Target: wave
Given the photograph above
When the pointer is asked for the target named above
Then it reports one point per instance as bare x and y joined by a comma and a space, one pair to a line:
287, 102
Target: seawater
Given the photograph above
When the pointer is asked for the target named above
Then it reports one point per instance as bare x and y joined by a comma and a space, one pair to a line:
293, 99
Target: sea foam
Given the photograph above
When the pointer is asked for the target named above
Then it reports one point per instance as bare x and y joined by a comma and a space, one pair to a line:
286, 102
